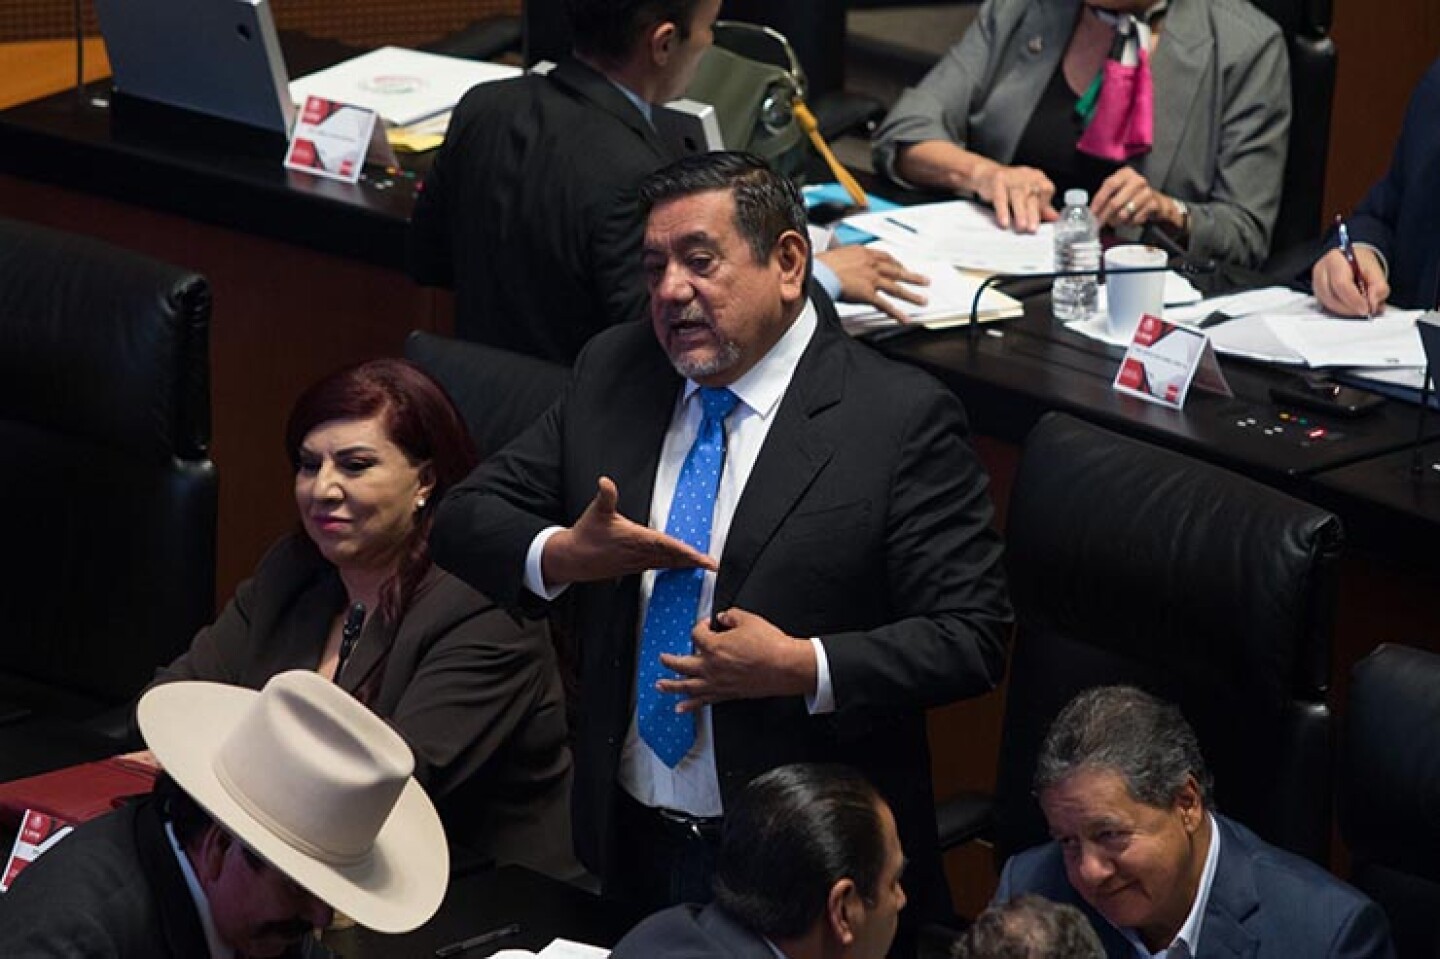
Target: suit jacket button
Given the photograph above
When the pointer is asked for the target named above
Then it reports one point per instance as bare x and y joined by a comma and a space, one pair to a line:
1035, 45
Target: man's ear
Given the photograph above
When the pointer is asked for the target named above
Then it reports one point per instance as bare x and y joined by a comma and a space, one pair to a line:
209, 855
840, 911
660, 42
1190, 805
792, 256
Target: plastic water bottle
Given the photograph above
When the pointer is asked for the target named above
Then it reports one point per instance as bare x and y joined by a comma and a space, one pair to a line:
1077, 247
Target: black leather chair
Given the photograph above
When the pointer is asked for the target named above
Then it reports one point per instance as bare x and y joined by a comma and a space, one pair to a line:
1132, 564
110, 491
498, 392
1306, 24
1390, 791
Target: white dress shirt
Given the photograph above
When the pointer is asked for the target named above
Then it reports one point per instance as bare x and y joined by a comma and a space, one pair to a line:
693, 785
1186, 944
218, 949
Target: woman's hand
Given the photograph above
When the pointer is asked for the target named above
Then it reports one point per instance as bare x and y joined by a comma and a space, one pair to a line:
1336, 289
1021, 195
1127, 199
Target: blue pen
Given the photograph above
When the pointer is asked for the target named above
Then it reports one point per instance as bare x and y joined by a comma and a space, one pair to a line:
1347, 250
902, 225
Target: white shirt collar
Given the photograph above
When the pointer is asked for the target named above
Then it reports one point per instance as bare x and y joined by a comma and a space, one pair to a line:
641, 104
764, 384
1189, 933
218, 948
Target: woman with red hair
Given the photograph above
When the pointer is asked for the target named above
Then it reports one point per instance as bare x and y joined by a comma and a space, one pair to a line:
353, 594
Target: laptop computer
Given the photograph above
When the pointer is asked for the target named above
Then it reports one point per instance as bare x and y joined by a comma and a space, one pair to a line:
216, 57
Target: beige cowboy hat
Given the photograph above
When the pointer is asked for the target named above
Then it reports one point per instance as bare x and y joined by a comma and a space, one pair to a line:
314, 783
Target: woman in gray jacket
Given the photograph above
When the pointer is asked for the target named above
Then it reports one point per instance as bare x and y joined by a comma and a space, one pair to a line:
1001, 115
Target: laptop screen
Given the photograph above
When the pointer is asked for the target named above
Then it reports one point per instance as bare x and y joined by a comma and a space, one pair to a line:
217, 57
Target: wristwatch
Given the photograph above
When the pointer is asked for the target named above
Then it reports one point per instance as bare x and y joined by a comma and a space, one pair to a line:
1182, 212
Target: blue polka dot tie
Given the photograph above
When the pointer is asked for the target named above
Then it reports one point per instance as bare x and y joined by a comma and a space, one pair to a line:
675, 599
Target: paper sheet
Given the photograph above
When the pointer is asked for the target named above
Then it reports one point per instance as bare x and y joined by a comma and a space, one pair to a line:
949, 295
962, 233
401, 85
1280, 325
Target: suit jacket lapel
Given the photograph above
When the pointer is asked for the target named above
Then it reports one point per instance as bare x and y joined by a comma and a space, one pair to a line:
179, 920
1181, 59
794, 452
642, 403
590, 85
1233, 900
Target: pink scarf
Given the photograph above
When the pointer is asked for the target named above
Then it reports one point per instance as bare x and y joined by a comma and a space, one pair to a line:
1121, 103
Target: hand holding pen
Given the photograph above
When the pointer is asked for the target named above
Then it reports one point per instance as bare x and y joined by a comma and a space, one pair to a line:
1349, 280
1348, 251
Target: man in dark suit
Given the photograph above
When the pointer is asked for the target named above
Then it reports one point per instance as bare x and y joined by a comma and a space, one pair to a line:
530, 212
1397, 242
809, 868
276, 806
851, 565
1137, 846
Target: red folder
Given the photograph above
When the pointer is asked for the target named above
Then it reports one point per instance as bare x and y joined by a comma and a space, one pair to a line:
76, 793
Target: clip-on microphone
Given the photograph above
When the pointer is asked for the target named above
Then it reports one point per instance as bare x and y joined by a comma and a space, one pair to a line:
349, 636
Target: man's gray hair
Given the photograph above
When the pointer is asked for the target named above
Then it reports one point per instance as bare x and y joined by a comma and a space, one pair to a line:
1130, 732
1029, 927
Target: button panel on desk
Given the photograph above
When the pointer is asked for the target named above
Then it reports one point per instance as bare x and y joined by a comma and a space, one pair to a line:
1302, 430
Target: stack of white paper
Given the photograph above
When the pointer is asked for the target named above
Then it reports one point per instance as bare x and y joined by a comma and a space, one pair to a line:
1280, 325
964, 234
949, 297
402, 86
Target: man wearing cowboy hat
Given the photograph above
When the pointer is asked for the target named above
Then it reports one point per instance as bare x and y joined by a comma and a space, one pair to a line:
285, 805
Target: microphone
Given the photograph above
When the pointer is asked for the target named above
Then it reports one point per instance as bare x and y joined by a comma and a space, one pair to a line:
1428, 326
1186, 266
349, 636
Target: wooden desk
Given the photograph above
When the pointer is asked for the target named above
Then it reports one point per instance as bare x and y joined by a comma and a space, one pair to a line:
306, 274
31, 69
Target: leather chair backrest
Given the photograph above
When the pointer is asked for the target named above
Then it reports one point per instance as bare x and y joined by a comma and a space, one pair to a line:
499, 393
1390, 791
1132, 564
105, 428
1306, 25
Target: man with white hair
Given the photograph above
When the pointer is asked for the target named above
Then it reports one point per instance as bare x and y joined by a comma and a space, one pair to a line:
276, 809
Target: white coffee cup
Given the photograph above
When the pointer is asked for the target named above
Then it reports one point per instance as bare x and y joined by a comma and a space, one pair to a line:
1133, 295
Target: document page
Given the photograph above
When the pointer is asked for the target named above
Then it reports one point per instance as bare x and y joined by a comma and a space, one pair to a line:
964, 234
948, 297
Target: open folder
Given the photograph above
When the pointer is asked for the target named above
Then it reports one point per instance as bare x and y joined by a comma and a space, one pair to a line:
949, 297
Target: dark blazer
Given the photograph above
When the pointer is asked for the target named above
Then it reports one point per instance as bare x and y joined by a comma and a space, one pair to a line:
111, 890
530, 211
691, 932
1265, 903
1400, 215
865, 522
474, 691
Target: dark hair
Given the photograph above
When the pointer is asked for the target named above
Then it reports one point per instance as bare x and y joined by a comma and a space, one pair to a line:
1029, 927
608, 29
1124, 729
420, 418
767, 204
794, 832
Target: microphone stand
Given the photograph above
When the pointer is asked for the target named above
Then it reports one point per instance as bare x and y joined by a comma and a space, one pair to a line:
1099, 273
79, 52
1428, 326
